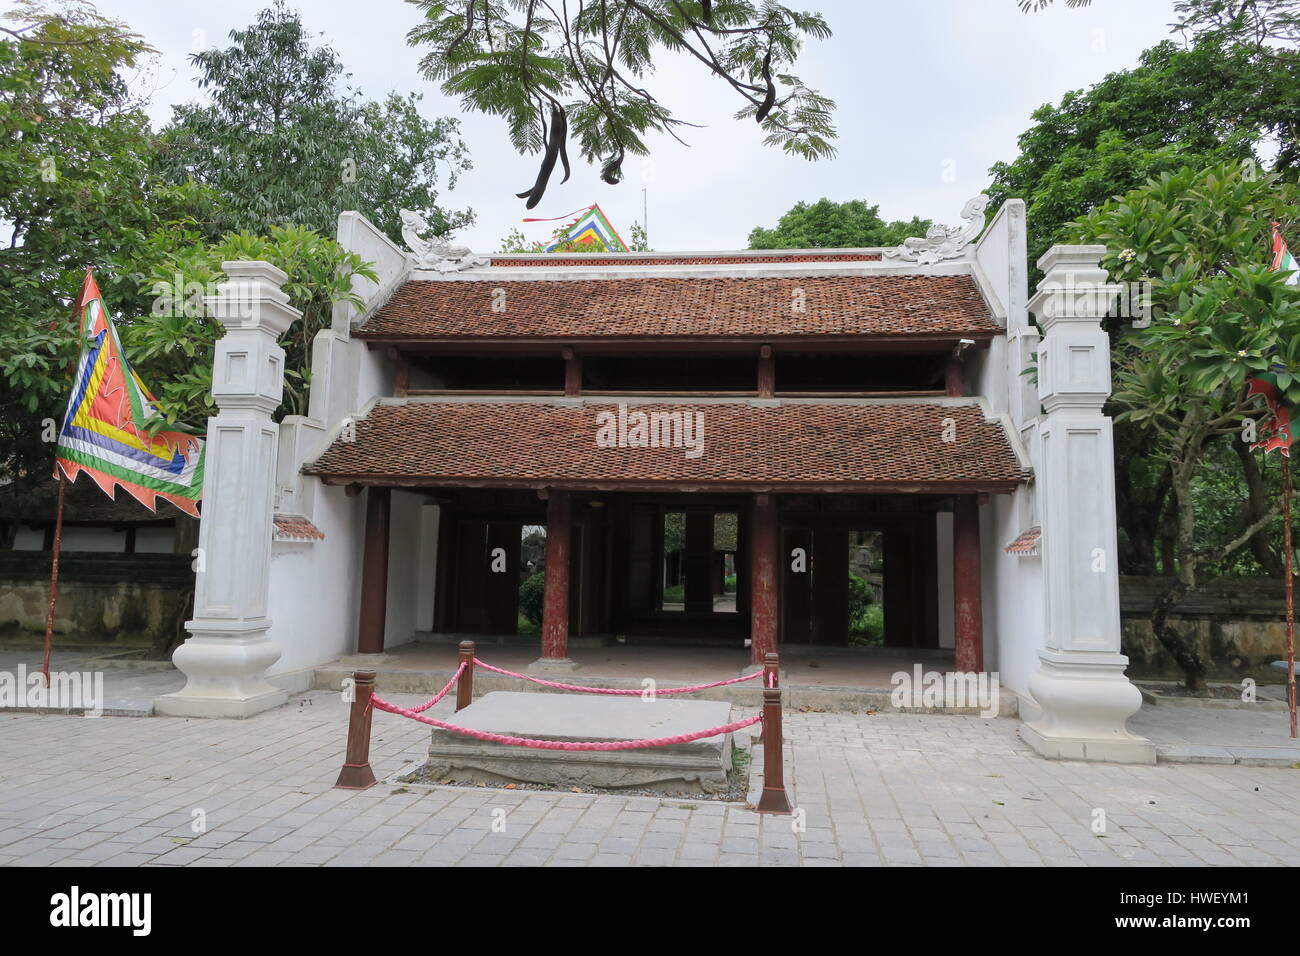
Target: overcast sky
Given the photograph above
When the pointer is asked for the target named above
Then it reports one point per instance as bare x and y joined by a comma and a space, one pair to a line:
930, 94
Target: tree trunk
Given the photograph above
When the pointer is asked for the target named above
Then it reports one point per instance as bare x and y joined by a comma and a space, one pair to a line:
1256, 507
1172, 640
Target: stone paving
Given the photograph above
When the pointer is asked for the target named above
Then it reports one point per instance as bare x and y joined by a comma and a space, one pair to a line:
884, 789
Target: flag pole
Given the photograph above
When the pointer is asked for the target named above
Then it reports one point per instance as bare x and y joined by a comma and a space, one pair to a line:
1290, 588
54, 576
77, 305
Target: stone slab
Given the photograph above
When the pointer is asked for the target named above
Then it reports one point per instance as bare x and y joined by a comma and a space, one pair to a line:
700, 764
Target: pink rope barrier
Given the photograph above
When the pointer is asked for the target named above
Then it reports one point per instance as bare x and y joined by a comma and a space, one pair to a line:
436, 697
616, 691
535, 744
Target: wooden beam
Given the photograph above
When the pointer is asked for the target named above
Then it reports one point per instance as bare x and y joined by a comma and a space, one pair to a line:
968, 615
572, 372
374, 573
555, 595
763, 599
766, 372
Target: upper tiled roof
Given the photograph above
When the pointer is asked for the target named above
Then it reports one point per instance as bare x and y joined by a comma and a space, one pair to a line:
651, 306
898, 444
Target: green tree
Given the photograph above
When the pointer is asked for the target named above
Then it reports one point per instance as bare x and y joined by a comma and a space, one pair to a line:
76, 190
582, 70
175, 339
1194, 106
835, 225
281, 143
1201, 239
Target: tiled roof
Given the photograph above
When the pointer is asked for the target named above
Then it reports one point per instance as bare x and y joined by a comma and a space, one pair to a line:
767, 306
554, 260
539, 443
1025, 546
296, 528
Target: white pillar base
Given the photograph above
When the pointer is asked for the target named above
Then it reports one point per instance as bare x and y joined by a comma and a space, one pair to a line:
1084, 700
225, 669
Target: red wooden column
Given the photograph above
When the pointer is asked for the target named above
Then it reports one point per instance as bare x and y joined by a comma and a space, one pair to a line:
555, 597
374, 573
763, 563
766, 372
572, 372
968, 615
952, 376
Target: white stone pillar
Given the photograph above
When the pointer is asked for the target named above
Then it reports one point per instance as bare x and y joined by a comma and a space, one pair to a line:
1079, 686
227, 655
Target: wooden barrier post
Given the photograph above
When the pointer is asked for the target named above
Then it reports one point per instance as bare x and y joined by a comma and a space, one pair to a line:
465, 684
356, 773
774, 798
771, 670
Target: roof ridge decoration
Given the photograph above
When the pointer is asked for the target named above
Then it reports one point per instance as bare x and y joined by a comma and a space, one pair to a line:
944, 242
435, 253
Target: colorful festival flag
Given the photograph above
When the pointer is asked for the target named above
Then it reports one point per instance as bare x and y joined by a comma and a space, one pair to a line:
591, 227
1276, 428
1283, 261
105, 429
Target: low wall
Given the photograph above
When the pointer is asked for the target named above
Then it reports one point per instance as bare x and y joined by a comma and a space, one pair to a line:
1237, 624
136, 600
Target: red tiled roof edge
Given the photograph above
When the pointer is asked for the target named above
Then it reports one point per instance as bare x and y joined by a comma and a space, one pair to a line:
1026, 545
506, 259
296, 528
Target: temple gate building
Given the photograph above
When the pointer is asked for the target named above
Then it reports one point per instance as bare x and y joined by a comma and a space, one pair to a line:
705, 442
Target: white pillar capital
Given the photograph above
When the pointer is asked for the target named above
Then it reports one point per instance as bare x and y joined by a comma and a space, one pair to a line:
226, 658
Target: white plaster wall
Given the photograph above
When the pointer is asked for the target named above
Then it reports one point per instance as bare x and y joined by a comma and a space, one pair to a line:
1015, 589
404, 584
316, 587
430, 518
313, 599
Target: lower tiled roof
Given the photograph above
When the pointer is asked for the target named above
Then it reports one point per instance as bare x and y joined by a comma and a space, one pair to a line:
905, 445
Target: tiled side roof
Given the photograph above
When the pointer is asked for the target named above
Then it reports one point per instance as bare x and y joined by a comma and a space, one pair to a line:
536, 443
650, 260
1026, 545
296, 528
772, 307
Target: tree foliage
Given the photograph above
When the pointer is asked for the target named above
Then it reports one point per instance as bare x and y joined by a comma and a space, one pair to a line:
281, 144
553, 71
1180, 107
835, 225
1219, 316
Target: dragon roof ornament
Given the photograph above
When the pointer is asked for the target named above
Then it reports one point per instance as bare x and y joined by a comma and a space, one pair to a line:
434, 253
943, 242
